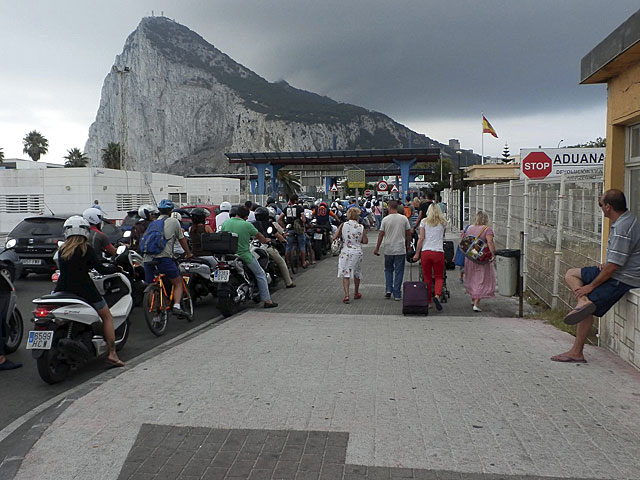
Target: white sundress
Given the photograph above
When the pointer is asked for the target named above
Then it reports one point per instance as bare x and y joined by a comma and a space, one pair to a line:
350, 259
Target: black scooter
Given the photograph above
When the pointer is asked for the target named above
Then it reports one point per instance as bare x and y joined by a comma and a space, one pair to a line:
11, 327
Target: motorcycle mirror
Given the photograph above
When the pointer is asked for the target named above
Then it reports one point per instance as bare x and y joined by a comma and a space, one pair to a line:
121, 249
270, 230
127, 234
10, 243
60, 243
186, 234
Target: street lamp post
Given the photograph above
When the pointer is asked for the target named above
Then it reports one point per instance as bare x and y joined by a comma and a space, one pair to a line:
461, 199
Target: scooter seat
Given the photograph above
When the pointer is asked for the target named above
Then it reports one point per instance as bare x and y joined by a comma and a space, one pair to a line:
63, 296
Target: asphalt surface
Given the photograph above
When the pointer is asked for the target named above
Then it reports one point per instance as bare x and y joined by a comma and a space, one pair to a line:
23, 389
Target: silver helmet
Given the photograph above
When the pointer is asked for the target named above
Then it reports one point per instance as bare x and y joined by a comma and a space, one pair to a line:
76, 225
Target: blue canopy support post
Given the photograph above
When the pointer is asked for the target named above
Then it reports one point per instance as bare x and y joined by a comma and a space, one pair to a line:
274, 169
254, 186
262, 169
405, 168
328, 183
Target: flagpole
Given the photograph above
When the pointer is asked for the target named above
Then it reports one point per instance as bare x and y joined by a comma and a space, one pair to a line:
482, 113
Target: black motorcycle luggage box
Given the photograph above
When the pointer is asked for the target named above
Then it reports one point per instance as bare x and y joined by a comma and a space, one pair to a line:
220, 242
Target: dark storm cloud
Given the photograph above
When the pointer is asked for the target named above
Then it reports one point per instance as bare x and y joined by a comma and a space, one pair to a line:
422, 58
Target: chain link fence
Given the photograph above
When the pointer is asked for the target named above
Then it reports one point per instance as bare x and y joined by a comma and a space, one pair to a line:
561, 220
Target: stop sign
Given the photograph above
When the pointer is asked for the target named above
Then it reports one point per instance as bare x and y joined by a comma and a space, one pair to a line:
367, 193
536, 165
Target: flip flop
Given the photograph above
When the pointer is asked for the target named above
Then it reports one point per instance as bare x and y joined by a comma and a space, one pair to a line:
345, 299
565, 359
578, 314
9, 365
114, 364
357, 296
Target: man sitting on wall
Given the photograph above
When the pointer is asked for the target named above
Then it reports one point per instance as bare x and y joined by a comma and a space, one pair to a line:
599, 288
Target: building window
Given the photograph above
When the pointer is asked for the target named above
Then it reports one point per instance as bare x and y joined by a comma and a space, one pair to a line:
21, 203
178, 198
632, 176
125, 202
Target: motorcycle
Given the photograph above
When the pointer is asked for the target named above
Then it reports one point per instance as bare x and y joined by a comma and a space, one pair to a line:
320, 240
133, 267
201, 281
68, 331
9, 313
235, 283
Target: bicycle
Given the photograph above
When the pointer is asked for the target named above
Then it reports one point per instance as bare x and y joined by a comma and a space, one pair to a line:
158, 300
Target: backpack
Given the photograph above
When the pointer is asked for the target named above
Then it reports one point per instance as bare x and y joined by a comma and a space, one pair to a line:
153, 241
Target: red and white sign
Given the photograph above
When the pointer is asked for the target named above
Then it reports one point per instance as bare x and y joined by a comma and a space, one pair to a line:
394, 189
334, 188
536, 165
368, 193
549, 163
383, 186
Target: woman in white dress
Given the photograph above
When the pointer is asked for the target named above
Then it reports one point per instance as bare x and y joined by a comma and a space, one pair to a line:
350, 260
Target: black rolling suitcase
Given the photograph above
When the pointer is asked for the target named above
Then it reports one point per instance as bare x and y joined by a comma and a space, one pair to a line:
449, 255
415, 300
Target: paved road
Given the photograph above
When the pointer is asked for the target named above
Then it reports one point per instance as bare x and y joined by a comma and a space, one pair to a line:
23, 389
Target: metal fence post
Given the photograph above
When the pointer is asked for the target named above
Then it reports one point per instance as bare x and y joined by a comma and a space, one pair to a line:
495, 199
525, 229
558, 250
508, 243
484, 197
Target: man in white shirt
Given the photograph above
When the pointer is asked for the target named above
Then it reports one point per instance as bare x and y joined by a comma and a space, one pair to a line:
396, 232
223, 216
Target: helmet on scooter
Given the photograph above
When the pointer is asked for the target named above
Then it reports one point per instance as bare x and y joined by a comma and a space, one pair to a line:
198, 215
177, 216
147, 211
225, 207
93, 216
262, 214
76, 225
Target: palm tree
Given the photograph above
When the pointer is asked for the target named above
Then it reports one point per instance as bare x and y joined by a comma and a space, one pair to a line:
35, 145
111, 156
1, 156
290, 183
75, 158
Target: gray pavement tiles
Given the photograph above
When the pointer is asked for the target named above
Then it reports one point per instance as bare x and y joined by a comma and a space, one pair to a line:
262, 454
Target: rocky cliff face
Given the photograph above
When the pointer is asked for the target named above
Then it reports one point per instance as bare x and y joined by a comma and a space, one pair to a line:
177, 104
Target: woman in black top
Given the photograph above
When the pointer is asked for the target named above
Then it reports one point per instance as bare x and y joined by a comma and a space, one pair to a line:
76, 259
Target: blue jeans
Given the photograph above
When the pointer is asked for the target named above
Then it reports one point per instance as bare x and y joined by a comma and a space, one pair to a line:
394, 274
261, 278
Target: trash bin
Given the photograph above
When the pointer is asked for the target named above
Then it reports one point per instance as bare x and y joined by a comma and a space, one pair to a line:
508, 266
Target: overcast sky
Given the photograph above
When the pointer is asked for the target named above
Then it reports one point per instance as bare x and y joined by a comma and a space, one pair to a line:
431, 65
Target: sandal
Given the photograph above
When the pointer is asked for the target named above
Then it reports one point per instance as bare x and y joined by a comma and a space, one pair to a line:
114, 363
357, 296
345, 299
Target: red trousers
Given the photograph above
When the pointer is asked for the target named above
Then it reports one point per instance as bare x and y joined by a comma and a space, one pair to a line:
433, 262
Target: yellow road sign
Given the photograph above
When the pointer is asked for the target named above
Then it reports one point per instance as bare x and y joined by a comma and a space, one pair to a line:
355, 179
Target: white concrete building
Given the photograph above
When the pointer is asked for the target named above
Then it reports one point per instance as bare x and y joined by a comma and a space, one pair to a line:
33, 191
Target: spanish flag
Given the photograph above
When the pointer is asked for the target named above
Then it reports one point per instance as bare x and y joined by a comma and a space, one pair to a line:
487, 128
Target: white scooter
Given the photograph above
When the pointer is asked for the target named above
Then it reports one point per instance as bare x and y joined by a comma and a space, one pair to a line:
68, 331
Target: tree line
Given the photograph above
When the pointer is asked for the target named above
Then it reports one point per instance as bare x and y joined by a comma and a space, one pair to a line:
35, 145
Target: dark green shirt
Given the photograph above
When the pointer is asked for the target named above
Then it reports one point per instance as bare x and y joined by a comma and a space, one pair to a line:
245, 231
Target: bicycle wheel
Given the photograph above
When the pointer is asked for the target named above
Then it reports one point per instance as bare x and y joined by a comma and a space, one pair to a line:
156, 314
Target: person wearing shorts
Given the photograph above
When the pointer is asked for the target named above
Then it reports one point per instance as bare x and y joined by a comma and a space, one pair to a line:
598, 288
164, 261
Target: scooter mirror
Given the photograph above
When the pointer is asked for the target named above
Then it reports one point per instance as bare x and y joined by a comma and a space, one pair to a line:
186, 234
127, 234
121, 249
10, 243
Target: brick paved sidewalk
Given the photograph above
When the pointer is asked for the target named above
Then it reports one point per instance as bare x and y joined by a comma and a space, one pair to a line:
318, 389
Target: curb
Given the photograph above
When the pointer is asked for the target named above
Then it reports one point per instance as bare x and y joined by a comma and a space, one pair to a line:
17, 438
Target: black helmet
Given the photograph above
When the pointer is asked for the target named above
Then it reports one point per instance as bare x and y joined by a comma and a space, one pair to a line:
270, 200
198, 215
262, 214
233, 212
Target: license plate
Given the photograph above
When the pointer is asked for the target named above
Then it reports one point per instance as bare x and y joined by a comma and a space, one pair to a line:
317, 236
40, 339
31, 261
221, 276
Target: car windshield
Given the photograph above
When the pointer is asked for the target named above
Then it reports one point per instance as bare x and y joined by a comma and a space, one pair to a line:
45, 227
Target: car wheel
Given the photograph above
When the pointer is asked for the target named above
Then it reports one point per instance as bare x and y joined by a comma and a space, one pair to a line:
9, 270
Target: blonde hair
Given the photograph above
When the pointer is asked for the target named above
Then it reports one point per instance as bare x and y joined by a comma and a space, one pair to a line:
353, 213
416, 202
481, 218
69, 246
435, 216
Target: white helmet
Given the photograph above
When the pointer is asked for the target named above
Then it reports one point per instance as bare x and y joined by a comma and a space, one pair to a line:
76, 225
145, 211
225, 206
177, 216
93, 216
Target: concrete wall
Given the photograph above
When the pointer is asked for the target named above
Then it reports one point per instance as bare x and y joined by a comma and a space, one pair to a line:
71, 190
620, 328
